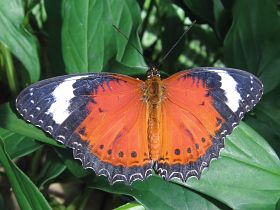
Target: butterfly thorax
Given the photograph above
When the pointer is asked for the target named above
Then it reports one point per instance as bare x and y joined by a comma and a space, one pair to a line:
154, 95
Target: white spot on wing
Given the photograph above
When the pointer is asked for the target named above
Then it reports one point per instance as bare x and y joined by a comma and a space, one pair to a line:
62, 94
229, 85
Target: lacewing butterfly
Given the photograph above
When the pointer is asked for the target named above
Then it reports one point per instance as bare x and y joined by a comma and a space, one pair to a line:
125, 128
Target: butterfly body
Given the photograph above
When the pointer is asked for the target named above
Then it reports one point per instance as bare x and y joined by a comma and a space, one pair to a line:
154, 95
125, 128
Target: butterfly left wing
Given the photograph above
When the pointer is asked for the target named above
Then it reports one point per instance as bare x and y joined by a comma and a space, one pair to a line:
101, 116
200, 108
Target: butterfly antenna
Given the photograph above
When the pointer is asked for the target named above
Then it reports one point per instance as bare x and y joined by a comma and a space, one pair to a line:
132, 45
176, 43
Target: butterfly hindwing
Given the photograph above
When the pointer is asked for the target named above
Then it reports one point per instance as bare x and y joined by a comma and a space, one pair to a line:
201, 107
101, 116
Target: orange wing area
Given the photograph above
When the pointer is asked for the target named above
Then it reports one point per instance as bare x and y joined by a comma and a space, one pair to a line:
189, 122
115, 130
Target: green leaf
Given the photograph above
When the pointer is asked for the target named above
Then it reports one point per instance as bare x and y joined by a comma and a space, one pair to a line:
120, 68
155, 193
202, 9
10, 121
266, 118
27, 194
74, 166
253, 43
17, 145
130, 206
278, 205
173, 28
53, 26
52, 168
247, 174
16, 38
2, 203
89, 40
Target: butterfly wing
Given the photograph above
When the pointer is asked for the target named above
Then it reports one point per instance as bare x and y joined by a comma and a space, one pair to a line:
201, 107
101, 116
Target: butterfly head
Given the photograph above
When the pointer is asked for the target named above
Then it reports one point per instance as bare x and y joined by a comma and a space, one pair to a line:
153, 72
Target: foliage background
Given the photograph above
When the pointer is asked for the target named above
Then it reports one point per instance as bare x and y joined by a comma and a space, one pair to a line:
41, 39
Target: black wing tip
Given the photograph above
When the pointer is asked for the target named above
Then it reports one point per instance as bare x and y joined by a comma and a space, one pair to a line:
230, 70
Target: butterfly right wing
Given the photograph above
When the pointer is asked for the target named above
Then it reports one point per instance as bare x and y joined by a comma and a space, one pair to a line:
201, 107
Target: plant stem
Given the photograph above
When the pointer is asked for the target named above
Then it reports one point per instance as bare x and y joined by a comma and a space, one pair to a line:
146, 19
10, 71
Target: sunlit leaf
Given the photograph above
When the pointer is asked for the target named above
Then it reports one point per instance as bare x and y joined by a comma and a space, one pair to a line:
17, 39
89, 45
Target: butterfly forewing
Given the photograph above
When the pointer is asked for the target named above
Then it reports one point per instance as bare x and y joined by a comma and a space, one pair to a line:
200, 108
100, 116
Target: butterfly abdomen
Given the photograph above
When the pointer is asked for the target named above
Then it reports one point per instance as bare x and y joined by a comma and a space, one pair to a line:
154, 95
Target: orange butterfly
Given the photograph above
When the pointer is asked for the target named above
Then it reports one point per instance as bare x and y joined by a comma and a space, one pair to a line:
124, 128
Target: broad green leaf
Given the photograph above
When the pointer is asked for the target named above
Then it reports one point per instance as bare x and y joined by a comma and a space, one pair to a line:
27, 194
89, 40
54, 42
120, 68
253, 43
17, 145
173, 28
16, 38
10, 121
130, 206
155, 193
74, 166
222, 18
266, 118
278, 205
247, 174
202, 9
52, 168
269, 106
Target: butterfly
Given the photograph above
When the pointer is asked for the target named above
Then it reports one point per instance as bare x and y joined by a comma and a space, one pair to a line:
126, 129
